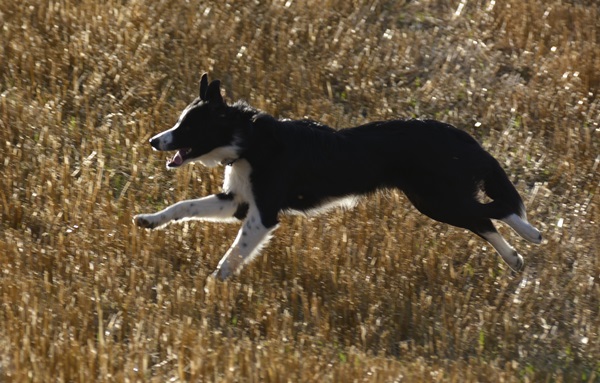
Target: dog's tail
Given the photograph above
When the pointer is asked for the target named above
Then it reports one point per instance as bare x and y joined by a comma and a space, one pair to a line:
507, 204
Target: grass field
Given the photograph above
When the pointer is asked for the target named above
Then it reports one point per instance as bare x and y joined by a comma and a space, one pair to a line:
376, 294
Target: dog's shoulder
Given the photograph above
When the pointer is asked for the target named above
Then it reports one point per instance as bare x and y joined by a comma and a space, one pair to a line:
265, 125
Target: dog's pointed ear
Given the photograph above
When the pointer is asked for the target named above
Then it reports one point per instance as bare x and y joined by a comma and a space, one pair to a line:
213, 92
203, 86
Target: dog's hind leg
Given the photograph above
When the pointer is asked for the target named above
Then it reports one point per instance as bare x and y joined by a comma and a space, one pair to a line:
252, 236
506, 251
467, 214
523, 228
507, 205
517, 221
486, 230
217, 207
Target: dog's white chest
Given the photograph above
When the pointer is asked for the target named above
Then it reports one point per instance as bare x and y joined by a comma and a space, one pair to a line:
237, 181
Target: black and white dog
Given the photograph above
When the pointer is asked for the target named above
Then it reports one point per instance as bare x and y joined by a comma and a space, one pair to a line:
281, 166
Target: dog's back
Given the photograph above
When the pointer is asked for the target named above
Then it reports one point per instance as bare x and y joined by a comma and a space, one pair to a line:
418, 156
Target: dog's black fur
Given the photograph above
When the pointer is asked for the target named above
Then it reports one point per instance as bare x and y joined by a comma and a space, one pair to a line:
284, 165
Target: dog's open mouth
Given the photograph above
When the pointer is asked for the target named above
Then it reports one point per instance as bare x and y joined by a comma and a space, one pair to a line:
179, 158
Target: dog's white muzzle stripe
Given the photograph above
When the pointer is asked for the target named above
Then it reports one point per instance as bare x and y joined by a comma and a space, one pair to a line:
162, 140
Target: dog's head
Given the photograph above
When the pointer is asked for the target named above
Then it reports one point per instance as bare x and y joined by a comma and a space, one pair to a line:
203, 131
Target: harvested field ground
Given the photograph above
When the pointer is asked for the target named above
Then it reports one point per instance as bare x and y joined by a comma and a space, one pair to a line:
376, 294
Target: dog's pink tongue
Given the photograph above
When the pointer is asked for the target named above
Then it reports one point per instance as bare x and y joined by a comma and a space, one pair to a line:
177, 159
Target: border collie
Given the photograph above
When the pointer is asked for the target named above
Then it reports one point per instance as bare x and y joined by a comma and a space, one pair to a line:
284, 166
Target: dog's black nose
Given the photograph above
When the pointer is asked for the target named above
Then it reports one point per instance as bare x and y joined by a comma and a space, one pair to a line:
154, 142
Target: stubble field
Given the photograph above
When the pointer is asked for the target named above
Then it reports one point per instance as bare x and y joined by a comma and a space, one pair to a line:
376, 294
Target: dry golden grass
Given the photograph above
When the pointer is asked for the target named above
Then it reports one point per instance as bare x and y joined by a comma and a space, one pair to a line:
376, 294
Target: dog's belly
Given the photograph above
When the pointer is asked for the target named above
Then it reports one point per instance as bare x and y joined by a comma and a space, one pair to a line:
309, 205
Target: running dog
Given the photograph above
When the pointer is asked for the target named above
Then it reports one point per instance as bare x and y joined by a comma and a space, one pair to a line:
275, 166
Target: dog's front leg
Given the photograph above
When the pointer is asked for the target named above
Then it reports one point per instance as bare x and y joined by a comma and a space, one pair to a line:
251, 237
218, 207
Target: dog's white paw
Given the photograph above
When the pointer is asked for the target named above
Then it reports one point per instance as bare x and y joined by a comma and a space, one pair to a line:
516, 263
146, 221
